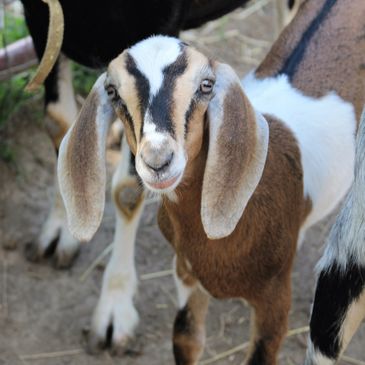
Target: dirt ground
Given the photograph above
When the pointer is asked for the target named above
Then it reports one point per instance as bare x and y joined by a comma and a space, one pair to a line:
43, 312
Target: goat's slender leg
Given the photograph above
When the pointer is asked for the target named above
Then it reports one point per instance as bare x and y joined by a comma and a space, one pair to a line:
115, 316
55, 236
189, 326
269, 322
339, 308
285, 12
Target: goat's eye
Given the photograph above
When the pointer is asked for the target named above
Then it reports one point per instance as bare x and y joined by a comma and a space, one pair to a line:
206, 86
112, 92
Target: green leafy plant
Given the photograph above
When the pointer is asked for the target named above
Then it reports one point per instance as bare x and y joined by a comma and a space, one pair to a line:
83, 79
12, 93
15, 28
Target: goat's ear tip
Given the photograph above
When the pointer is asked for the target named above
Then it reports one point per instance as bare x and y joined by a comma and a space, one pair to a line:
81, 231
216, 231
83, 235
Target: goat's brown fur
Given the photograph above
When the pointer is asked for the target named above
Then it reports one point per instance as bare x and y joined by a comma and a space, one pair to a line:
255, 261
327, 64
264, 221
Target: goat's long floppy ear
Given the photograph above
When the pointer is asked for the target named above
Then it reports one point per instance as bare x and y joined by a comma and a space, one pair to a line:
81, 164
238, 143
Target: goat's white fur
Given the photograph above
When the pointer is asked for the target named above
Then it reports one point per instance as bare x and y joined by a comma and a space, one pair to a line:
56, 225
325, 130
150, 132
316, 357
345, 242
119, 285
147, 55
183, 291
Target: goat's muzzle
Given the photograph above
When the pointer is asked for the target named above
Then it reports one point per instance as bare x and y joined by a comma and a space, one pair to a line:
159, 166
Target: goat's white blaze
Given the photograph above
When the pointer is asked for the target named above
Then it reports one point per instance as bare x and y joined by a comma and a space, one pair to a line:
150, 132
159, 141
325, 130
152, 55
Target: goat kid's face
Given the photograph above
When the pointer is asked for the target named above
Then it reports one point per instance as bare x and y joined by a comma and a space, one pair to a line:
165, 92
160, 89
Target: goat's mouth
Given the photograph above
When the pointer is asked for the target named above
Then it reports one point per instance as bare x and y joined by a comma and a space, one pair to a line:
165, 185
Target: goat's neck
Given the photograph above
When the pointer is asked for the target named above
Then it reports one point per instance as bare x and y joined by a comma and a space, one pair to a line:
323, 50
184, 213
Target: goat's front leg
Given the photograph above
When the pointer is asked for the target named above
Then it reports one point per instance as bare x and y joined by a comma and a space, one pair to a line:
339, 308
115, 317
55, 237
189, 326
269, 322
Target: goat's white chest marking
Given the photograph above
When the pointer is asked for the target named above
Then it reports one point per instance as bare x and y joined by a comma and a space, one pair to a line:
325, 130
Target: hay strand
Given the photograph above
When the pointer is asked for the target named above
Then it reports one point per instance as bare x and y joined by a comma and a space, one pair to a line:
156, 275
222, 355
96, 262
51, 355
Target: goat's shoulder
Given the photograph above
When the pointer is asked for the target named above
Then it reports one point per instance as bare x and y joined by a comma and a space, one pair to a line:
279, 194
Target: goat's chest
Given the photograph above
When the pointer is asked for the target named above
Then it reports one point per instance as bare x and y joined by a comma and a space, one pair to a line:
226, 270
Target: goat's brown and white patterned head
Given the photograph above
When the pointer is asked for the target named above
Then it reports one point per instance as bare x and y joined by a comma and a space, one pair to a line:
161, 88
166, 92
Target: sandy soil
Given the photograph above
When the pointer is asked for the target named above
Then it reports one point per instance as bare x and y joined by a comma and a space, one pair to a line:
44, 311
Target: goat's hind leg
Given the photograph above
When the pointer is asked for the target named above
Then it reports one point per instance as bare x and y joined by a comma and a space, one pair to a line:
55, 238
115, 317
339, 308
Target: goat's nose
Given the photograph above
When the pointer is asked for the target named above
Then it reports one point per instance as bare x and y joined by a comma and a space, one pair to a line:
157, 159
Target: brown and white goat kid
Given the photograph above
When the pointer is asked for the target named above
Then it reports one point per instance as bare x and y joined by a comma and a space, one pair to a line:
243, 170
55, 238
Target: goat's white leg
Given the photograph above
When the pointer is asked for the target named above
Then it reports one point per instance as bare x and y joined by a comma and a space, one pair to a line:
115, 313
189, 326
55, 236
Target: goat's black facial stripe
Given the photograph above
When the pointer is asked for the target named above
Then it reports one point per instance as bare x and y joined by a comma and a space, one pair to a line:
336, 291
188, 116
129, 119
162, 102
142, 86
295, 58
291, 4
